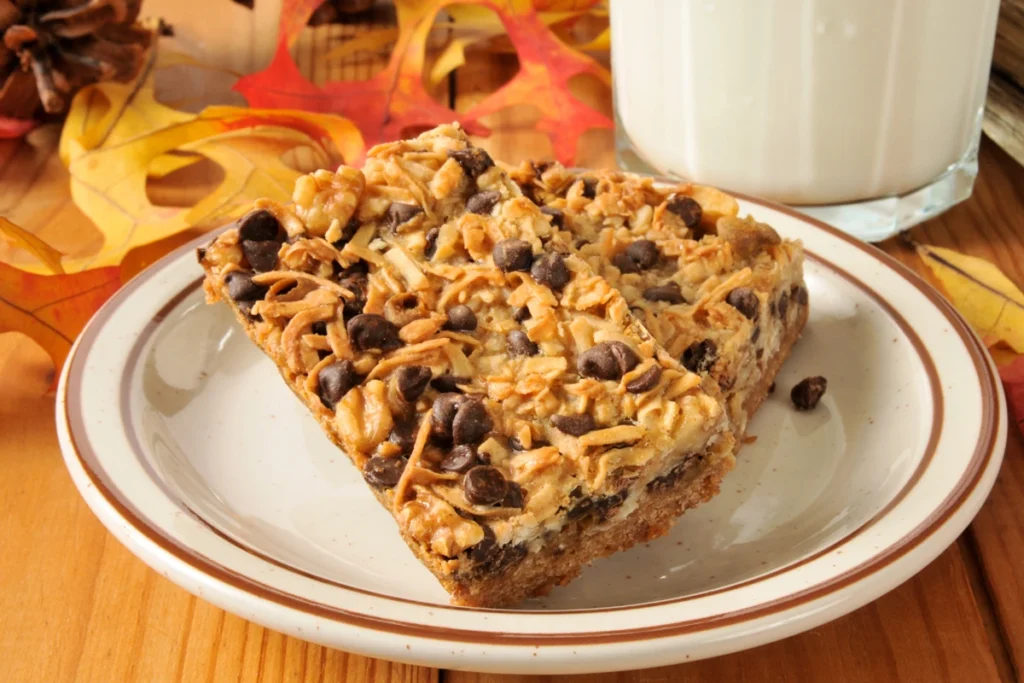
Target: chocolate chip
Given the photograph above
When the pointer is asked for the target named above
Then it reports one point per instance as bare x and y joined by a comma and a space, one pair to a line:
754, 336
443, 414
513, 255
242, 288
461, 459
371, 331
319, 327
513, 496
431, 246
246, 308
399, 213
403, 435
357, 283
782, 306
474, 161
521, 314
485, 549
580, 510
550, 269
335, 380
461, 318
607, 360
515, 444
589, 187
625, 264
540, 166
520, 345
686, 208
557, 216
351, 228
322, 353
808, 392
574, 425
485, 485
646, 381
644, 253
471, 422
668, 292
605, 505
262, 256
771, 388
259, 225
745, 301
448, 382
800, 294
412, 380
201, 253
383, 473
483, 202
700, 356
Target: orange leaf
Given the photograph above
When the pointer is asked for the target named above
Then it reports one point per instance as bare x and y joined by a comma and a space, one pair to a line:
1013, 383
546, 67
52, 309
23, 239
386, 107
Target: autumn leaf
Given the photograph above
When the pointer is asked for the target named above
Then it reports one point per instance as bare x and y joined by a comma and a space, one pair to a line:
52, 309
546, 67
1013, 384
989, 300
386, 107
23, 239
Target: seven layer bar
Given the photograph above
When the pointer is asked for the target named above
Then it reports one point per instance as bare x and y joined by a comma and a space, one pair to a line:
496, 394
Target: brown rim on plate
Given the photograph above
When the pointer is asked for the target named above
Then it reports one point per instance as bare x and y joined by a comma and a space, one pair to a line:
980, 458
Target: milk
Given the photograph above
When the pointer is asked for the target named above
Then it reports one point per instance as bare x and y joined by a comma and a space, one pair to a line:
803, 101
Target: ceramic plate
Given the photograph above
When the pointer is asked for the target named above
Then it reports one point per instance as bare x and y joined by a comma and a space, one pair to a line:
188, 446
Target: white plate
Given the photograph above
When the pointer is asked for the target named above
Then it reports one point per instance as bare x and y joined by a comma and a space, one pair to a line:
188, 446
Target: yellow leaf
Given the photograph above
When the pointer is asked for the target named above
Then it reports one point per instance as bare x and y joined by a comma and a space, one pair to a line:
370, 41
989, 300
453, 56
167, 164
602, 41
22, 238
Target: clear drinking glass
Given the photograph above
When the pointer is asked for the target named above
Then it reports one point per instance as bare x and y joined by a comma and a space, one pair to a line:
864, 113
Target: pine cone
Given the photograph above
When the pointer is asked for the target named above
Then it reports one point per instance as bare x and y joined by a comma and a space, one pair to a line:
52, 48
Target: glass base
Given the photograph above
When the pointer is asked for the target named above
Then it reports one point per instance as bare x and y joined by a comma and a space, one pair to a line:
872, 220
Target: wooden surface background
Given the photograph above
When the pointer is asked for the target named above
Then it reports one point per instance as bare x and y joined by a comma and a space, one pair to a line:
76, 606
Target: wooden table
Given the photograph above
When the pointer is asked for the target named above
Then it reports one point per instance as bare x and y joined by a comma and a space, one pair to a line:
76, 606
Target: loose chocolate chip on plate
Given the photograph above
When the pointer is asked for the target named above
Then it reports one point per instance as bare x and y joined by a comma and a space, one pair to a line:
259, 225
474, 161
461, 459
412, 380
607, 360
262, 256
782, 307
700, 356
550, 270
371, 331
446, 406
574, 425
513, 496
557, 216
383, 473
644, 253
351, 228
461, 318
319, 327
646, 381
668, 292
744, 300
448, 382
808, 392
242, 288
471, 422
399, 213
589, 187
520, 314
485, 485
335, 380
403, 435
431, 242
686, 208
513, 255
483, 202
520, 345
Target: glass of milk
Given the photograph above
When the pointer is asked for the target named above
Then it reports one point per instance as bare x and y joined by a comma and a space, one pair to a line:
864, 113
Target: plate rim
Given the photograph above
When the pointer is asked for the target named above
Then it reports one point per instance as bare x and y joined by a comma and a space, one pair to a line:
992, 429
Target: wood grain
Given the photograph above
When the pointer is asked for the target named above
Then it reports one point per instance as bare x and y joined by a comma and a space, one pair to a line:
76, 606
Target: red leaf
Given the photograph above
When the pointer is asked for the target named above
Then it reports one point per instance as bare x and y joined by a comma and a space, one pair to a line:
386, 107
53, 309
546, 67
15, 128
1013, 384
